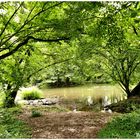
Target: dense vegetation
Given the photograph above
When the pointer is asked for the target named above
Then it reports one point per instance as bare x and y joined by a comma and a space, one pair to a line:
61, 44
10, 126
125, 126
68, 43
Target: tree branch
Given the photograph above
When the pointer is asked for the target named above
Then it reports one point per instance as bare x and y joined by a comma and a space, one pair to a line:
48, 66
10, 19
28, 21
26, 41
135, 31
48, 40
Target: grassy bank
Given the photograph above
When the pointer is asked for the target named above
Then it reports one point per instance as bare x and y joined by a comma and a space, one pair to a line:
125, 126
10, 126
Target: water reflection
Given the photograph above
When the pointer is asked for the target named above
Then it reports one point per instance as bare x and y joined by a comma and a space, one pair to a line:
114, 93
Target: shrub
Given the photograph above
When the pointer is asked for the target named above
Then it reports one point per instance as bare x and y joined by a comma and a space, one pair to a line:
35, 113
125, 126
31, 93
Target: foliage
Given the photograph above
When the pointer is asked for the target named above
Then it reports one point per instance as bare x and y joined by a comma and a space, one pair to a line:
2, 99
17, 67
31, 93
125, 126
35, 113
83, 41
10, 126
110, 40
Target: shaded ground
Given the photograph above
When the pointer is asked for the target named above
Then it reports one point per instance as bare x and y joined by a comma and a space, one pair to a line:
66, 124
126, 106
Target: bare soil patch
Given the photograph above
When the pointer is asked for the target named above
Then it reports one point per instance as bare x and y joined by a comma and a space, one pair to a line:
52, 125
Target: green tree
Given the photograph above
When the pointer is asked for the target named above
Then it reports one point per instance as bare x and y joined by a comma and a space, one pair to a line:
22, 25
115, 39
57, 39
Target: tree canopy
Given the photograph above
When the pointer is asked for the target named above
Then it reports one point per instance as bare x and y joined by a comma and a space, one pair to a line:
62, 41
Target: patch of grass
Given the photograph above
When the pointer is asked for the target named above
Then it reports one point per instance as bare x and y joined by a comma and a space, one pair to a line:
10, 126
31, 93
36, 113
125, 126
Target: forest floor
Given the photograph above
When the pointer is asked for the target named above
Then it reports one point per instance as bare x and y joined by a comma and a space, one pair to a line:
55, 125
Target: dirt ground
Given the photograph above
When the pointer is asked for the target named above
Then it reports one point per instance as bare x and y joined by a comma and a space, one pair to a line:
52, 125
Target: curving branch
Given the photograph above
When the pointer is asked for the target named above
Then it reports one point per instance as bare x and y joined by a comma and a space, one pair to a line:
58, 62
27, 21
26, 41
48, 40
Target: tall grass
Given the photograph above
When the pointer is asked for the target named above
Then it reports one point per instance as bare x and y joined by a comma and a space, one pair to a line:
31, 93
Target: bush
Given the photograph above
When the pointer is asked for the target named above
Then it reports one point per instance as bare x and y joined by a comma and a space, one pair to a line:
35, 113
125, 126
31, 93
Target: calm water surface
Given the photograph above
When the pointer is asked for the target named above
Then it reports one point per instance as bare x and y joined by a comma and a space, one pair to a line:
84, 91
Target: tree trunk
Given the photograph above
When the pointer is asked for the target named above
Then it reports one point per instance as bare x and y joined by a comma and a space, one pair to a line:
136, 90
127, 90
128, 93
10, 98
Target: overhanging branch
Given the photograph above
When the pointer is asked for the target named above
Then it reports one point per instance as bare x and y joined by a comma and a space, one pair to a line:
48, 40
59, 62
26, 41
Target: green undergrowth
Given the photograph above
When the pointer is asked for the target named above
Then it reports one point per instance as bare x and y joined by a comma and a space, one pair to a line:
10, 126
36, 113
124, 126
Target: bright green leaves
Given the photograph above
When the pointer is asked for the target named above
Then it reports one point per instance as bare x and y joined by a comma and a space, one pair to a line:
99, 37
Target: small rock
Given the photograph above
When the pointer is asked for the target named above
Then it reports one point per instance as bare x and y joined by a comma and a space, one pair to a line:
71, 129
44, 101
40, 103
31, 104
35, 102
